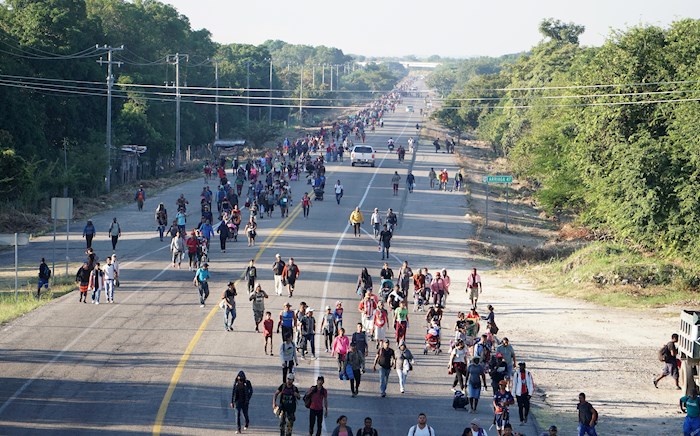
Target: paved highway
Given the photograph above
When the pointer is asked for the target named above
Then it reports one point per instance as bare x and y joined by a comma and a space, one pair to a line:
155, 362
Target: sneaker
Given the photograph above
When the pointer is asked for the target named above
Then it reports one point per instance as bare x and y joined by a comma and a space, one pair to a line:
678, 388
201, 305
97, 302
245, 428
656, 385
402, 391
383, 394
453, 389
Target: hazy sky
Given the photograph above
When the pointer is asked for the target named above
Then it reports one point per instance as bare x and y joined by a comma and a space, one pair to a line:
456, 28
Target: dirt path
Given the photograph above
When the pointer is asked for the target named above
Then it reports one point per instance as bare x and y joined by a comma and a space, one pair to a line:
569, 345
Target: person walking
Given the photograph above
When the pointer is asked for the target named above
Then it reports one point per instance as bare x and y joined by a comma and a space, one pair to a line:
224, 233
251, 274
367, 430
395, 180
228, 301
318, 407
287, 322
391, 219
110, 277
690, 405
458, 365
258, 298
356, 220
290, 274
240, 399
268, 325
508, 353
201, 281
343, 429
523, 387
306, 204
410, 182
340, 348
115, 231
308, 332
404, 365
385, 241
367, 307
501, 400
669, 353
401, 321
587, 417
359, 338
386, 359
338, 189
288, 356
97, 283
475, 380
364, 282
89, 233
161, 219
140, 198
288, 395
251, 231
432, 176
44, 276
422, 428
328, 328
474, 287
277, 270
356, 360
82, 278
177, 248
376, 222
381, 319
476, 428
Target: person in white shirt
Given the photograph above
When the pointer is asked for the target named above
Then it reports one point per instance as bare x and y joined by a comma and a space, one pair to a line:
110, 276
523, 388
422, 428
338, 191
376, 222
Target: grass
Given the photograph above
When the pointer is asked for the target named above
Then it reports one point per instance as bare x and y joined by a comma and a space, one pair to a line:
11, 308
618, 275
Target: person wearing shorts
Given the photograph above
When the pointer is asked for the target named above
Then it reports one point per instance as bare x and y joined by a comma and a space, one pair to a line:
670, 363
473, 287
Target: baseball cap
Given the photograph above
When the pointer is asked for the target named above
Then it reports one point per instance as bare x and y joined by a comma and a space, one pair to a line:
310, 309
277, 255
290, 376
475, 422
521, 364
328, 307
287, 304
205, 264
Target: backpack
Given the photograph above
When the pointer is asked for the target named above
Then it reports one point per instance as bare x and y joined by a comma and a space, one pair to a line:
459, 401
415, 428
307, 397
663, 352
45, 271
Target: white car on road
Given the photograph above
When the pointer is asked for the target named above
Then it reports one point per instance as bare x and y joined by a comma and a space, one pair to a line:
362, 154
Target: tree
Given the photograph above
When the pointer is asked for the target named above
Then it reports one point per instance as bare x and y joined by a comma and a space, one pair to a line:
258, 133
559, 31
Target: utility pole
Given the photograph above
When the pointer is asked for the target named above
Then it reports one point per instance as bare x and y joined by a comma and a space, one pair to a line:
313, 76
110, 82
269, 111
216, 76
301, 92
331, 77
337, 77
175, 59
323, 74
247, 92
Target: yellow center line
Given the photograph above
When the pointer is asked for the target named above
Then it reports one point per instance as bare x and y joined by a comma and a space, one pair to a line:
175, 379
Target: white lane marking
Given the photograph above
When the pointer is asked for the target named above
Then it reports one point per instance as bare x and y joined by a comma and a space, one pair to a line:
73, 342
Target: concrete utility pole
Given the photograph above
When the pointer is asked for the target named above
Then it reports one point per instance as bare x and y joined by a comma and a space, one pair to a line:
323, 74
175, 59
110, 82
247, 92
301, 92
216, 110
269, 111
331, 77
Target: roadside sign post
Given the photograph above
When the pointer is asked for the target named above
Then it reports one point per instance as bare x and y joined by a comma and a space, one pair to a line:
497, 179
61, 209
15, 239
16, 268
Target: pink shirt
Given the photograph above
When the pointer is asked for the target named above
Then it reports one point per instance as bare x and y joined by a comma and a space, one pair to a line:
341, 345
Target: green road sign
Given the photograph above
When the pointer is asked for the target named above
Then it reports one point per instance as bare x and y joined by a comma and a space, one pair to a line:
498, 179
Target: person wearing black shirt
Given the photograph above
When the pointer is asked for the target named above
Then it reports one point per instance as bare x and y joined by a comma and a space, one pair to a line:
385, 241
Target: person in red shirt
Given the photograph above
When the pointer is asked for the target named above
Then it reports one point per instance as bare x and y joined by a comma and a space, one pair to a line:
381, 318
318, 407
192, 250
523, 387
306, 204
268, 325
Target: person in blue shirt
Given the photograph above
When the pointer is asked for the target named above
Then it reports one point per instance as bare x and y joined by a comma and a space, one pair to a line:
201, 281
690, 405
206, 230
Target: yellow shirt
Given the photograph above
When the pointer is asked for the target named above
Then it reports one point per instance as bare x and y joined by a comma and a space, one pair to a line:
356, 217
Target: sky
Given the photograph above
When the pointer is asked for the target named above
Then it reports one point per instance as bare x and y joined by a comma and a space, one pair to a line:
449, 28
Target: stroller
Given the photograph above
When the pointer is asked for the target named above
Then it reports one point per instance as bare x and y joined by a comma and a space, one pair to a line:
432, 339
386, 287
318, 194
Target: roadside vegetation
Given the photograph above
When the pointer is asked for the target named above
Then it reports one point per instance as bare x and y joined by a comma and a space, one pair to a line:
606, 139
11, 308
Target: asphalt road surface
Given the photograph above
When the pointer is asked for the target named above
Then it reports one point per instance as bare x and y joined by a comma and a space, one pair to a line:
155, 362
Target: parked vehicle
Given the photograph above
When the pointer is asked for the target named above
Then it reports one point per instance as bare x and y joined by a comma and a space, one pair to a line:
362, 154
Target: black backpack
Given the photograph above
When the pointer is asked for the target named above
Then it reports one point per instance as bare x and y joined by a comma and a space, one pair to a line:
663, 353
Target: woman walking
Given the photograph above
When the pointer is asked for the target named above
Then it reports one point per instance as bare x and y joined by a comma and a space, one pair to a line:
224, 234
177, 248
404, 364
342, 429
458, 365
364, 282
356, 219
340, 347
89, 233
251, 231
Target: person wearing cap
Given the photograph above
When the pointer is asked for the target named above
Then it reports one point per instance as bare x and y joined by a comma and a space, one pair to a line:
476, 428
356, 360
498, 371
240, 399
338, 314
288, 395
201, 281
288, 321
438, 288
258, 298
404, 364
288, 356
501, 400
328, 328
308, 332
228, 298
290, 274
551, 431
277, 269
376, 222
475, 380
523, 387
318, 409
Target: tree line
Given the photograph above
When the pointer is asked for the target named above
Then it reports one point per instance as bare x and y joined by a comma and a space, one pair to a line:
53, 90
609, 134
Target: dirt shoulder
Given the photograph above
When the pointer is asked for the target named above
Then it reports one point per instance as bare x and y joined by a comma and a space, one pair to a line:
569, 345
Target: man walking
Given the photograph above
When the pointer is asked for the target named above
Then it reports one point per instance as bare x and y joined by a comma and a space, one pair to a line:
410, 181
288, 357
376, 222
44, 276
288, 395
318, 395
201, 281
587, 417
277, 269
385, 241
228, 297
474, 287
669, 353
356, 360
290, 274
240, 399
114, 232
387, 361
523, 387
395, 180
111, 276
251, 273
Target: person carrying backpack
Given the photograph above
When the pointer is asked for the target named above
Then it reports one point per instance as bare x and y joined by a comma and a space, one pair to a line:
140, 198
114, 232
288, 395
422, 428
240, 399
367, 430
667, 354
44, 276
316, 400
